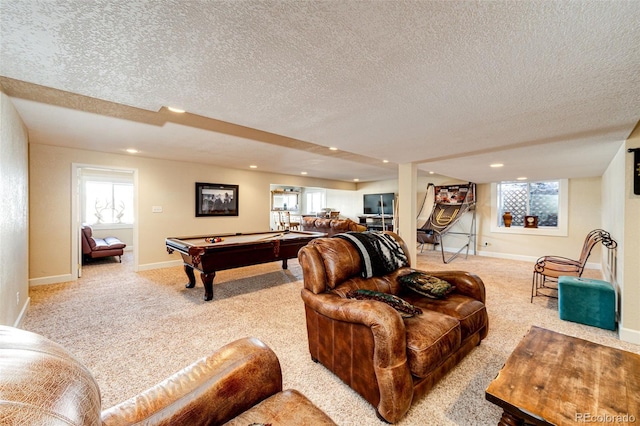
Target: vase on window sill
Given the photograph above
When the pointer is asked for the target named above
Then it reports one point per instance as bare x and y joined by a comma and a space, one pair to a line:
507, 219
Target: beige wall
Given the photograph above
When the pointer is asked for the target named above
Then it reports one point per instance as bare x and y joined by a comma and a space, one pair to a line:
169, 184
613, 196
630, 252
14, 226
584, 216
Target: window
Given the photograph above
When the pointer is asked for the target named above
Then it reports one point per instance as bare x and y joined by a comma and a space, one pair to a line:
315, 202
107, 200
546, 199
530, 199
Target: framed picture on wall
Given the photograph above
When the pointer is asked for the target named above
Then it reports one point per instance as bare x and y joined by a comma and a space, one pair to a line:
216, 199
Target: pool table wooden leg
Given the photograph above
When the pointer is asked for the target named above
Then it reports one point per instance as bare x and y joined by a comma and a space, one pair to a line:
284, 263
509, 419
192, 278
207, 280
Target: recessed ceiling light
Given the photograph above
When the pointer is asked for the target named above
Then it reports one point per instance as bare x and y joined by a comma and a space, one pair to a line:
431, 173
385, 161
521, 178
333, 148
303, 173
176, 110
253, 166
132, 151
496, 165
356, 180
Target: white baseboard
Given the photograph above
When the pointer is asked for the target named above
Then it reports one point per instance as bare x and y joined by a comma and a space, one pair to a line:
498, 255
55, 279
487, 253
532, 259
451, 250
628, 335
23, 313
491, 254
160, 265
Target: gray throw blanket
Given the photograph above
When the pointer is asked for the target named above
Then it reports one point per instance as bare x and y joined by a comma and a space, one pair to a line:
380, 253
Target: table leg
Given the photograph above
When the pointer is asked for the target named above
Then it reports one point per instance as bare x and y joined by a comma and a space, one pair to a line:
207, 280
284, 263
509, 419
192, 278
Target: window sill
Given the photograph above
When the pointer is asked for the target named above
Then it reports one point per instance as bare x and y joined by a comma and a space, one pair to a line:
107, 226
520, 230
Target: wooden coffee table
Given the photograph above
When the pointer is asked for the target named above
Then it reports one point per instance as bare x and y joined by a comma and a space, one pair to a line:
554, 379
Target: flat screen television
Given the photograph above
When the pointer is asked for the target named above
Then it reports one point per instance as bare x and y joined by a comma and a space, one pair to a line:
374, 204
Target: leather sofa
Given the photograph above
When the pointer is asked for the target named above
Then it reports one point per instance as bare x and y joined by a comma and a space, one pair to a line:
389, 360
331, 226
239, 384
94, 248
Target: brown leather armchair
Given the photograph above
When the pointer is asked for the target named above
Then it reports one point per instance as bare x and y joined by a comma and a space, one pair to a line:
241, 383
389, 360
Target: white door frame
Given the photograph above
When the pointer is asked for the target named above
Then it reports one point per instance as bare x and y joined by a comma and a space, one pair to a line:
76, 220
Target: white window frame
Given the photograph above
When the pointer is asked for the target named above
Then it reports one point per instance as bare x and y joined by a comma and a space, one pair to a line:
109, 179
563, 215
309, 204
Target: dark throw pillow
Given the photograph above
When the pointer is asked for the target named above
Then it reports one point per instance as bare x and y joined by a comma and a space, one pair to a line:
426, 285
406, 309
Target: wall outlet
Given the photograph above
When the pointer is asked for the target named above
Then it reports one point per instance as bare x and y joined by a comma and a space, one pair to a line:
156, 209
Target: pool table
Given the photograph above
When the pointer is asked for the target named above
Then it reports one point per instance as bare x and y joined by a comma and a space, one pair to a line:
211, 253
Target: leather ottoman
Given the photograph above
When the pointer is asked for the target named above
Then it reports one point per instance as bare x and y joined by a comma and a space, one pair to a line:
587, 301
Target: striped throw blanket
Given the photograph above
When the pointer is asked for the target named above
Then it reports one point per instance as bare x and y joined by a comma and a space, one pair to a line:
380, 253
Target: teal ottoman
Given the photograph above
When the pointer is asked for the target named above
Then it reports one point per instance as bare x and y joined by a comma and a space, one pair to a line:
587, 301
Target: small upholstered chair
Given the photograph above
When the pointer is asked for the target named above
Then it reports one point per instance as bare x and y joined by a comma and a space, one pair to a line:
550, 268
587, 301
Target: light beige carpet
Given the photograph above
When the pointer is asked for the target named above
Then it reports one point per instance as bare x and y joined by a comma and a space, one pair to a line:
132, 330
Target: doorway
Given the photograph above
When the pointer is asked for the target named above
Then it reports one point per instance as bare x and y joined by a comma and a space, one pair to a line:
106, 198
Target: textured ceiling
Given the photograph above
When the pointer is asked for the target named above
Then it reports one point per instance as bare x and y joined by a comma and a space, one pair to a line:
550, 89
